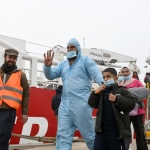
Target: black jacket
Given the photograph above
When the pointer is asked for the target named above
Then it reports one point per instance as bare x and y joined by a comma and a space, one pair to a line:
123, 105
147, 79
56, 100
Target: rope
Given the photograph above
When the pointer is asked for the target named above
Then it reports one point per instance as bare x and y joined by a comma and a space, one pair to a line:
36, 138
43, 139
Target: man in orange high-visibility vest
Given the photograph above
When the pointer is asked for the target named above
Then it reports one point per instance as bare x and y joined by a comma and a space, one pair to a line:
14, 91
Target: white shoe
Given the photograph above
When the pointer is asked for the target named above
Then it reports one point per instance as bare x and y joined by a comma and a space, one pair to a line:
130, 147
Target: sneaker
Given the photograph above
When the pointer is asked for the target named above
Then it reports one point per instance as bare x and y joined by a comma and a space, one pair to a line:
130, 147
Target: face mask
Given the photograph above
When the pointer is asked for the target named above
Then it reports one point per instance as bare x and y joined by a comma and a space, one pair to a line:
127, 77
108, 83
123, 78
120, 78
71, 54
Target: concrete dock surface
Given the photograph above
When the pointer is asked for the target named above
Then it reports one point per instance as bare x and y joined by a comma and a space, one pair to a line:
51, 146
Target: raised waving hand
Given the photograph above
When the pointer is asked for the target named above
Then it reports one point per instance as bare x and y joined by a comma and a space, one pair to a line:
48, 58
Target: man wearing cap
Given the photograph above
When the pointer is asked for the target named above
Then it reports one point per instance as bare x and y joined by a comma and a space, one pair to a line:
14, 91
77, 73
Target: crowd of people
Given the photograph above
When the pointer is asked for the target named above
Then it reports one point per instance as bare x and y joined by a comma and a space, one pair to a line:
115, 101
118, 101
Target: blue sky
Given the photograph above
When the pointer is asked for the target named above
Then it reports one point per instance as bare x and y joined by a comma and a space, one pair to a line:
121, 26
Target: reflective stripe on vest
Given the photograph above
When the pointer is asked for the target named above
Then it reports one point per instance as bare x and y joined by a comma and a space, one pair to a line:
11, 98
12, 89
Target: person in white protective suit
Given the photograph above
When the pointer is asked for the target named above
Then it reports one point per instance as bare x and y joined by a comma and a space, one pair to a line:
74, 112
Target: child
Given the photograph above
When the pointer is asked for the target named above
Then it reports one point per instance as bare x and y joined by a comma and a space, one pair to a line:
135, 75
112, 121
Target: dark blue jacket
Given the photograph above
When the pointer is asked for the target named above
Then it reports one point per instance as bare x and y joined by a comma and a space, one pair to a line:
57, 99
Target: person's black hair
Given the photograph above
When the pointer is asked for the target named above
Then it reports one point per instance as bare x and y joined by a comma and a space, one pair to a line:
147, 73
111, 70
60, 87
135, 72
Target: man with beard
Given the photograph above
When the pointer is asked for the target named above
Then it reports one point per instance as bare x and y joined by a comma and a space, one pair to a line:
14, 91
77, 73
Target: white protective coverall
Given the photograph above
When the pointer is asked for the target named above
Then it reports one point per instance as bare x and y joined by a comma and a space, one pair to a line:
74, 111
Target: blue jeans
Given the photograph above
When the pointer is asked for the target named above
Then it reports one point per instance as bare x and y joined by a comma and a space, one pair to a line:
7, 119
108, 140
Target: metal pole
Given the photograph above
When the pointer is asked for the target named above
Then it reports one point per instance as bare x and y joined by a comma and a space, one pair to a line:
84, 46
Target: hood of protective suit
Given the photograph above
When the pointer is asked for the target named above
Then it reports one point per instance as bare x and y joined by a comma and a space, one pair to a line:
75, 42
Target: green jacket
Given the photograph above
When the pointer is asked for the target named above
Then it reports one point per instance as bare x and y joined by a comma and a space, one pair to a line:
25, 96
125, 102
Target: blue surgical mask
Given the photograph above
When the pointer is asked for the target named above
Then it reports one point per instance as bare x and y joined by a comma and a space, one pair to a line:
71, 54
123, 78
127, 77
108, 83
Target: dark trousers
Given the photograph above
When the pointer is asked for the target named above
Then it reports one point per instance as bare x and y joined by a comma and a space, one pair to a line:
108, 141
7, 119
137, 122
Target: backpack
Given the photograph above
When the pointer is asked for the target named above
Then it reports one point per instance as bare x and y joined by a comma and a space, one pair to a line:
140, 93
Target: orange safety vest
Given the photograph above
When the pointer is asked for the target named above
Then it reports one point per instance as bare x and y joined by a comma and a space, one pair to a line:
11, 91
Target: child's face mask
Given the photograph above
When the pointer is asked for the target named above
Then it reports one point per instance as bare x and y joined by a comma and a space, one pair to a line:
109, 82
